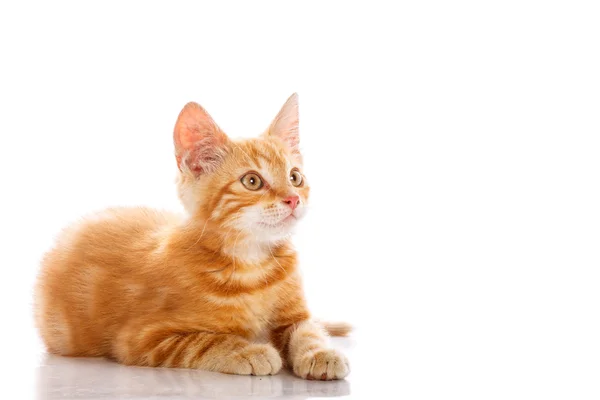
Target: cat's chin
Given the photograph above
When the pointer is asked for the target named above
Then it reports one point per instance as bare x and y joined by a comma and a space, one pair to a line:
285, 223
275, 233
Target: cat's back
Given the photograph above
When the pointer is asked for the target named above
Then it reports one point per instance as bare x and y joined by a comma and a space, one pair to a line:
89, 259
112, 234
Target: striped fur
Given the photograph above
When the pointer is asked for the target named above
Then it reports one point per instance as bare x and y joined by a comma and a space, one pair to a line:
157, 289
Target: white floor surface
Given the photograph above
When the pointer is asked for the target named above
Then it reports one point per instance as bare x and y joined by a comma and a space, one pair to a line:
58, 377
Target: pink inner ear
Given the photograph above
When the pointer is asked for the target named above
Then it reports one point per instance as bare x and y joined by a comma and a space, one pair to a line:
286, 123
293, 139
288, 133
198, 140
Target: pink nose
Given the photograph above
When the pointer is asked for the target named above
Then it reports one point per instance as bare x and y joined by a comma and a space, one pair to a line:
292, 201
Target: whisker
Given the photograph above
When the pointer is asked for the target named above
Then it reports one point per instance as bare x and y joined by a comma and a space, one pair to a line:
272, 255
232, 271
231, 225
216, 270
237, 146
202, 234
236, 239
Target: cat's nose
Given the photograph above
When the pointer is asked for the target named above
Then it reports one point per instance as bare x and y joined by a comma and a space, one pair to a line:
292, 201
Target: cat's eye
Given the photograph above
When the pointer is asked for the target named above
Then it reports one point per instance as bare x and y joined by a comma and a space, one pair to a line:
296, 178
252, 181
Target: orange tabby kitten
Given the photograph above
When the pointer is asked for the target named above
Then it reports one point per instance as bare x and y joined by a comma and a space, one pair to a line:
157, 289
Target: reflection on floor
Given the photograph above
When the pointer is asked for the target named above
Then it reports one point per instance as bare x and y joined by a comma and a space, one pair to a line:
93, 378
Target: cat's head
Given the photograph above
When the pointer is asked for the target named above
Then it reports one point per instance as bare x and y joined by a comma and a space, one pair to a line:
253, 187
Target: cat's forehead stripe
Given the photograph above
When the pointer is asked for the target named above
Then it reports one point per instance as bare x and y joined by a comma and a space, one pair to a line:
268, 152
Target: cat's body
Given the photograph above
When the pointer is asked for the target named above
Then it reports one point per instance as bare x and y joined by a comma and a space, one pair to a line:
199, 291
124, 265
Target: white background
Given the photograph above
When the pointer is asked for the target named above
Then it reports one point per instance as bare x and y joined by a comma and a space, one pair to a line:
452, 149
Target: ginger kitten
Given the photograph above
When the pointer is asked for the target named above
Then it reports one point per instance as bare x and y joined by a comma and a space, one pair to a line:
157, 289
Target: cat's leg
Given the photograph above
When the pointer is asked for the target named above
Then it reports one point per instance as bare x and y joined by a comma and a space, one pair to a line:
168, 347
304, 345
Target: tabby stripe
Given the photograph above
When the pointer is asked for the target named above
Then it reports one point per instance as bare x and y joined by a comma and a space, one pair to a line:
236, 288
217, 198
178, 352
213, 341
159, 344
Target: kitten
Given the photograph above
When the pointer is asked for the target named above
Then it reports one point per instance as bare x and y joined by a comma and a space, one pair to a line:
157, 289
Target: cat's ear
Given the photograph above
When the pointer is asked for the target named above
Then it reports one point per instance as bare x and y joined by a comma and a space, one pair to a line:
285, 124
200, 145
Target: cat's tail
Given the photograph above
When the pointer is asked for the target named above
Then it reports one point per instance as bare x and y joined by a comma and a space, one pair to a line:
336, 328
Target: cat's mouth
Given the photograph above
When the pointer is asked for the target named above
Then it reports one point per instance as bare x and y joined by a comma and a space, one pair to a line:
291, 218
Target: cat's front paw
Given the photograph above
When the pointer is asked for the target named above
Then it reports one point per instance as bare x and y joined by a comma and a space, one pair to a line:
323, 365
258, 359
